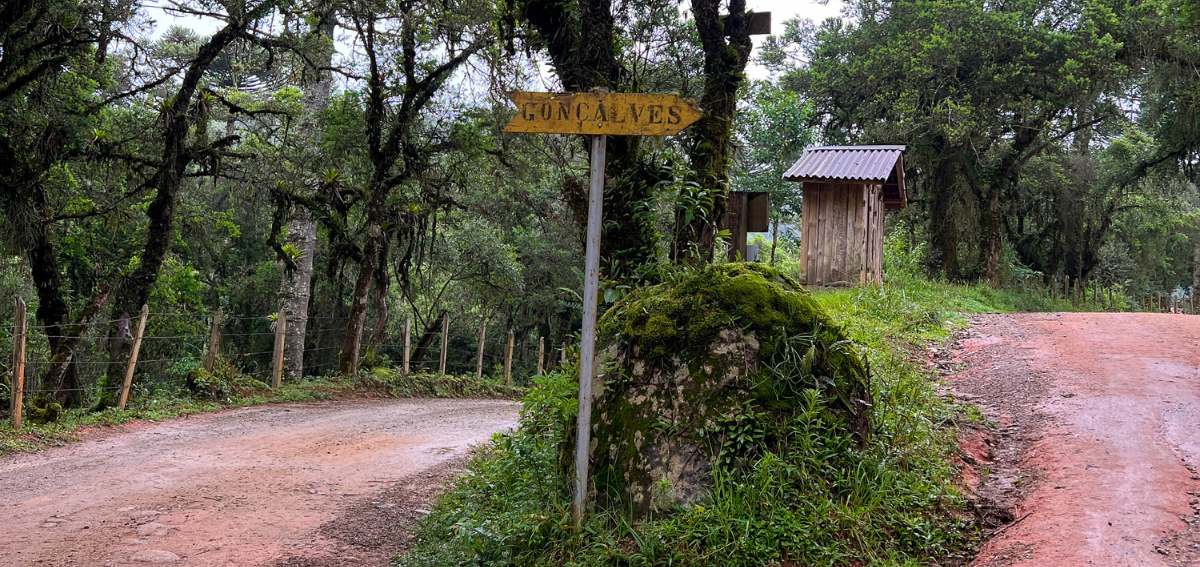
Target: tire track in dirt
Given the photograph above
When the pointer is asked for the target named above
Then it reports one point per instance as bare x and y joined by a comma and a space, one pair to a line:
1095, 454
297, 484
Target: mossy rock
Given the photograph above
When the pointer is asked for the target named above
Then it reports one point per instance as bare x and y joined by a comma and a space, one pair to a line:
224, 383
710, 369
42, 410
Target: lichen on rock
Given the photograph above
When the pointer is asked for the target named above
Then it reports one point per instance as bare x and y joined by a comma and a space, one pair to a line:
707, 370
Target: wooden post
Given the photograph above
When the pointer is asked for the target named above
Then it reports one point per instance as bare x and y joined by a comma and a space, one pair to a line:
214, 342
445, 343
479, 350
277, 358
20, 330
541, 355
508, 352
587, 343
133, 356
562, 355
407, 342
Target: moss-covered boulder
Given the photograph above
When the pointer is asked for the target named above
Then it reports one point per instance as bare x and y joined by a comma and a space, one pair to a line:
43, 409
708, 370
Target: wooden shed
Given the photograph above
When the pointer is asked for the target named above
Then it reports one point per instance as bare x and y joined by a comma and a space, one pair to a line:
846, 191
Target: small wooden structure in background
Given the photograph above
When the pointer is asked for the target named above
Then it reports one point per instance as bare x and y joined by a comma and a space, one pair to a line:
748, 211
846, 191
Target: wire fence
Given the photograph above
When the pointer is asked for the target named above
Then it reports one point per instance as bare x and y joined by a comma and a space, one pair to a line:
174, 345
1112, 296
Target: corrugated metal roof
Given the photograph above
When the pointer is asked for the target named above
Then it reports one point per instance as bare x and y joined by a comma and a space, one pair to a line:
858, 163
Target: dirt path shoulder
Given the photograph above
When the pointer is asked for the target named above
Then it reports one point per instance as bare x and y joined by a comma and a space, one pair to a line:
1095, 453
313, 484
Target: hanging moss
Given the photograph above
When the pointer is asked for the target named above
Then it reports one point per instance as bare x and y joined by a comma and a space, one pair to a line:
709, 369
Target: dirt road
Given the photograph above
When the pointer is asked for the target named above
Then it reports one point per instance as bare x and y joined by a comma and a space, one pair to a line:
316, 484
1098, 443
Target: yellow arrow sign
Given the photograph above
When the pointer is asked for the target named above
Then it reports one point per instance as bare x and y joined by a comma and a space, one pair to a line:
601, 114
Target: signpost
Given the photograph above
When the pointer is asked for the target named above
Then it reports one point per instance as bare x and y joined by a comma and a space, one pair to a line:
598, 114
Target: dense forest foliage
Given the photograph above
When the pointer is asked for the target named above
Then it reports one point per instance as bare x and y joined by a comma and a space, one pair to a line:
342, 162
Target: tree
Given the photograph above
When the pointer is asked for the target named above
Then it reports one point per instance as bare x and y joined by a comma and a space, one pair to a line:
772, 132
295, 288
589, 50
974, 90
583, 42
726, 43
397, 147
50, 67
182, 145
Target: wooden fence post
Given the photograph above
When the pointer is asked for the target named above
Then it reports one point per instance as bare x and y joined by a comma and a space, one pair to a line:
479, 349
508, 352
20, 329
445, 343
214, 342
133, 356
277, 356
407, 342
541, 355
562, 358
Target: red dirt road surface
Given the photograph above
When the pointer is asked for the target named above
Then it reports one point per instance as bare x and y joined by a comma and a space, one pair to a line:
291, 485
1098, 441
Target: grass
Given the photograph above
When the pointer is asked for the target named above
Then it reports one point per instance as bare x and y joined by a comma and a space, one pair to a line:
820, 501
913, 310
167, 403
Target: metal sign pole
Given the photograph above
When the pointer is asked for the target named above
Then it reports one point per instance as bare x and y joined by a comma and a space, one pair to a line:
587, 345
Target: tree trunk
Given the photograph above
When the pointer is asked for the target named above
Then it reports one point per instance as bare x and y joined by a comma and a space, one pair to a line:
24, 192
991, 225
352, 343
710, 154
295, 289
943, 231
381, 312
52, 310
431, 331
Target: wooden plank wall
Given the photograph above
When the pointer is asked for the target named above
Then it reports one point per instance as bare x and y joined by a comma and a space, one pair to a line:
842, 234
874, 236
